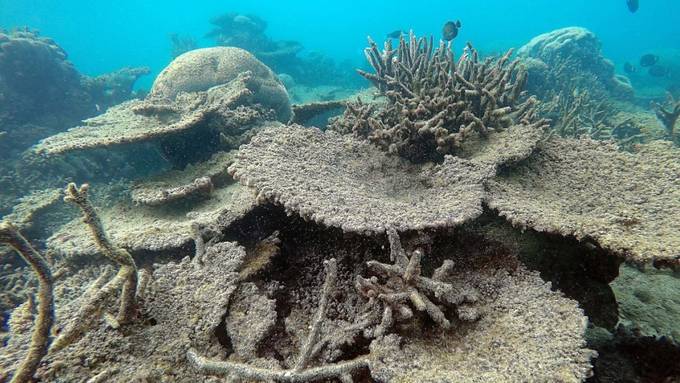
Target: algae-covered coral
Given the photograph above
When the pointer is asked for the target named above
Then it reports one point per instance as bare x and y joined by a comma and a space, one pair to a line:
381, 249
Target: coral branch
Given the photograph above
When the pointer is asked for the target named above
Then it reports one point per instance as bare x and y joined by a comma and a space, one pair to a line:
45, 319
405, 285
435, 103
300, 372
128, 268
668, 115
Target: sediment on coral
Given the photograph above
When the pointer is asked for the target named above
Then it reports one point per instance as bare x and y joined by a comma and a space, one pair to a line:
405, 286
574, 188
195, 182
341, 181
192, 111
435, 103
301, 372
140, 228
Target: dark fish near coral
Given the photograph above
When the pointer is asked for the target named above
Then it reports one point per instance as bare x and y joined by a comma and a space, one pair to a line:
648, 60
658, 71
450, 30
395, 35
629, 68
633, 5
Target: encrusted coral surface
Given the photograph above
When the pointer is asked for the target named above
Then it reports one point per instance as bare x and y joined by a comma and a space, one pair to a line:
628, 203
144, 120
528, 334
182, 306
175, 185
201, 69
344, 182
139, 228
435, 104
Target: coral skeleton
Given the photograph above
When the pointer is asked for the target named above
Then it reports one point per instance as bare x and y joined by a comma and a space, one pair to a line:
668, 115
301, 372
125, 279
43, 323
435, 103
405, 285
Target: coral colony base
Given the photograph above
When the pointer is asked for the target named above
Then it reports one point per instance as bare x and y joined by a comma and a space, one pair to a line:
408, 241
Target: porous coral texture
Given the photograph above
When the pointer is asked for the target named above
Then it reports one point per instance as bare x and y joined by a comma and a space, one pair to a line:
528, 334
152, 119
195, 180
434, 104
183, 305
344, 182
627, 203
140, 228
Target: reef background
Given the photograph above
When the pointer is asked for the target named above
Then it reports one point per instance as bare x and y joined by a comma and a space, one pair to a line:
133, 33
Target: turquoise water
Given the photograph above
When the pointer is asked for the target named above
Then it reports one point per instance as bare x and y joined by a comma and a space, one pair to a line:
103, 36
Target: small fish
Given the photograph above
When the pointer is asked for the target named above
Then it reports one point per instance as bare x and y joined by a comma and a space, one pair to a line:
658, 71
648, 60
633, 5
396, 34
450, 30
629, 68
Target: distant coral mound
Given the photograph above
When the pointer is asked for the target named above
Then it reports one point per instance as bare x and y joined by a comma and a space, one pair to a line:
575, 50
201, 69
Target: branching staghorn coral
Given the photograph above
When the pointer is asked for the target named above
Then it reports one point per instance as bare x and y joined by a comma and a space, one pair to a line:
405, 285
435, 103
301, 372
43, 323
128, 268
125, 279
668, 115
576, 113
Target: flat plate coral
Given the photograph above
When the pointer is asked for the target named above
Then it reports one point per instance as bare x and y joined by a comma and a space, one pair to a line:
344, 182
518, 339
139, 228
628, 203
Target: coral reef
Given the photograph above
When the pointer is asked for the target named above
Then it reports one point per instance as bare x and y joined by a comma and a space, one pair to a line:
648, 301
202, 69
404, 285
37, 80
198, 180
42, 324
176, 316
154, 228
193, 109
213, 113
573, 187
304, 113
301, 372
435, 103
113, 88
518, 329
248, 32
571, 54
344, 182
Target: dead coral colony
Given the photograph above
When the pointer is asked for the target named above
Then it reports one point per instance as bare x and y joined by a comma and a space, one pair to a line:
43, 323
435, 103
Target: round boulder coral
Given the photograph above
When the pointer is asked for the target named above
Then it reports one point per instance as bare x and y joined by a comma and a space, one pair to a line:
201, 69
